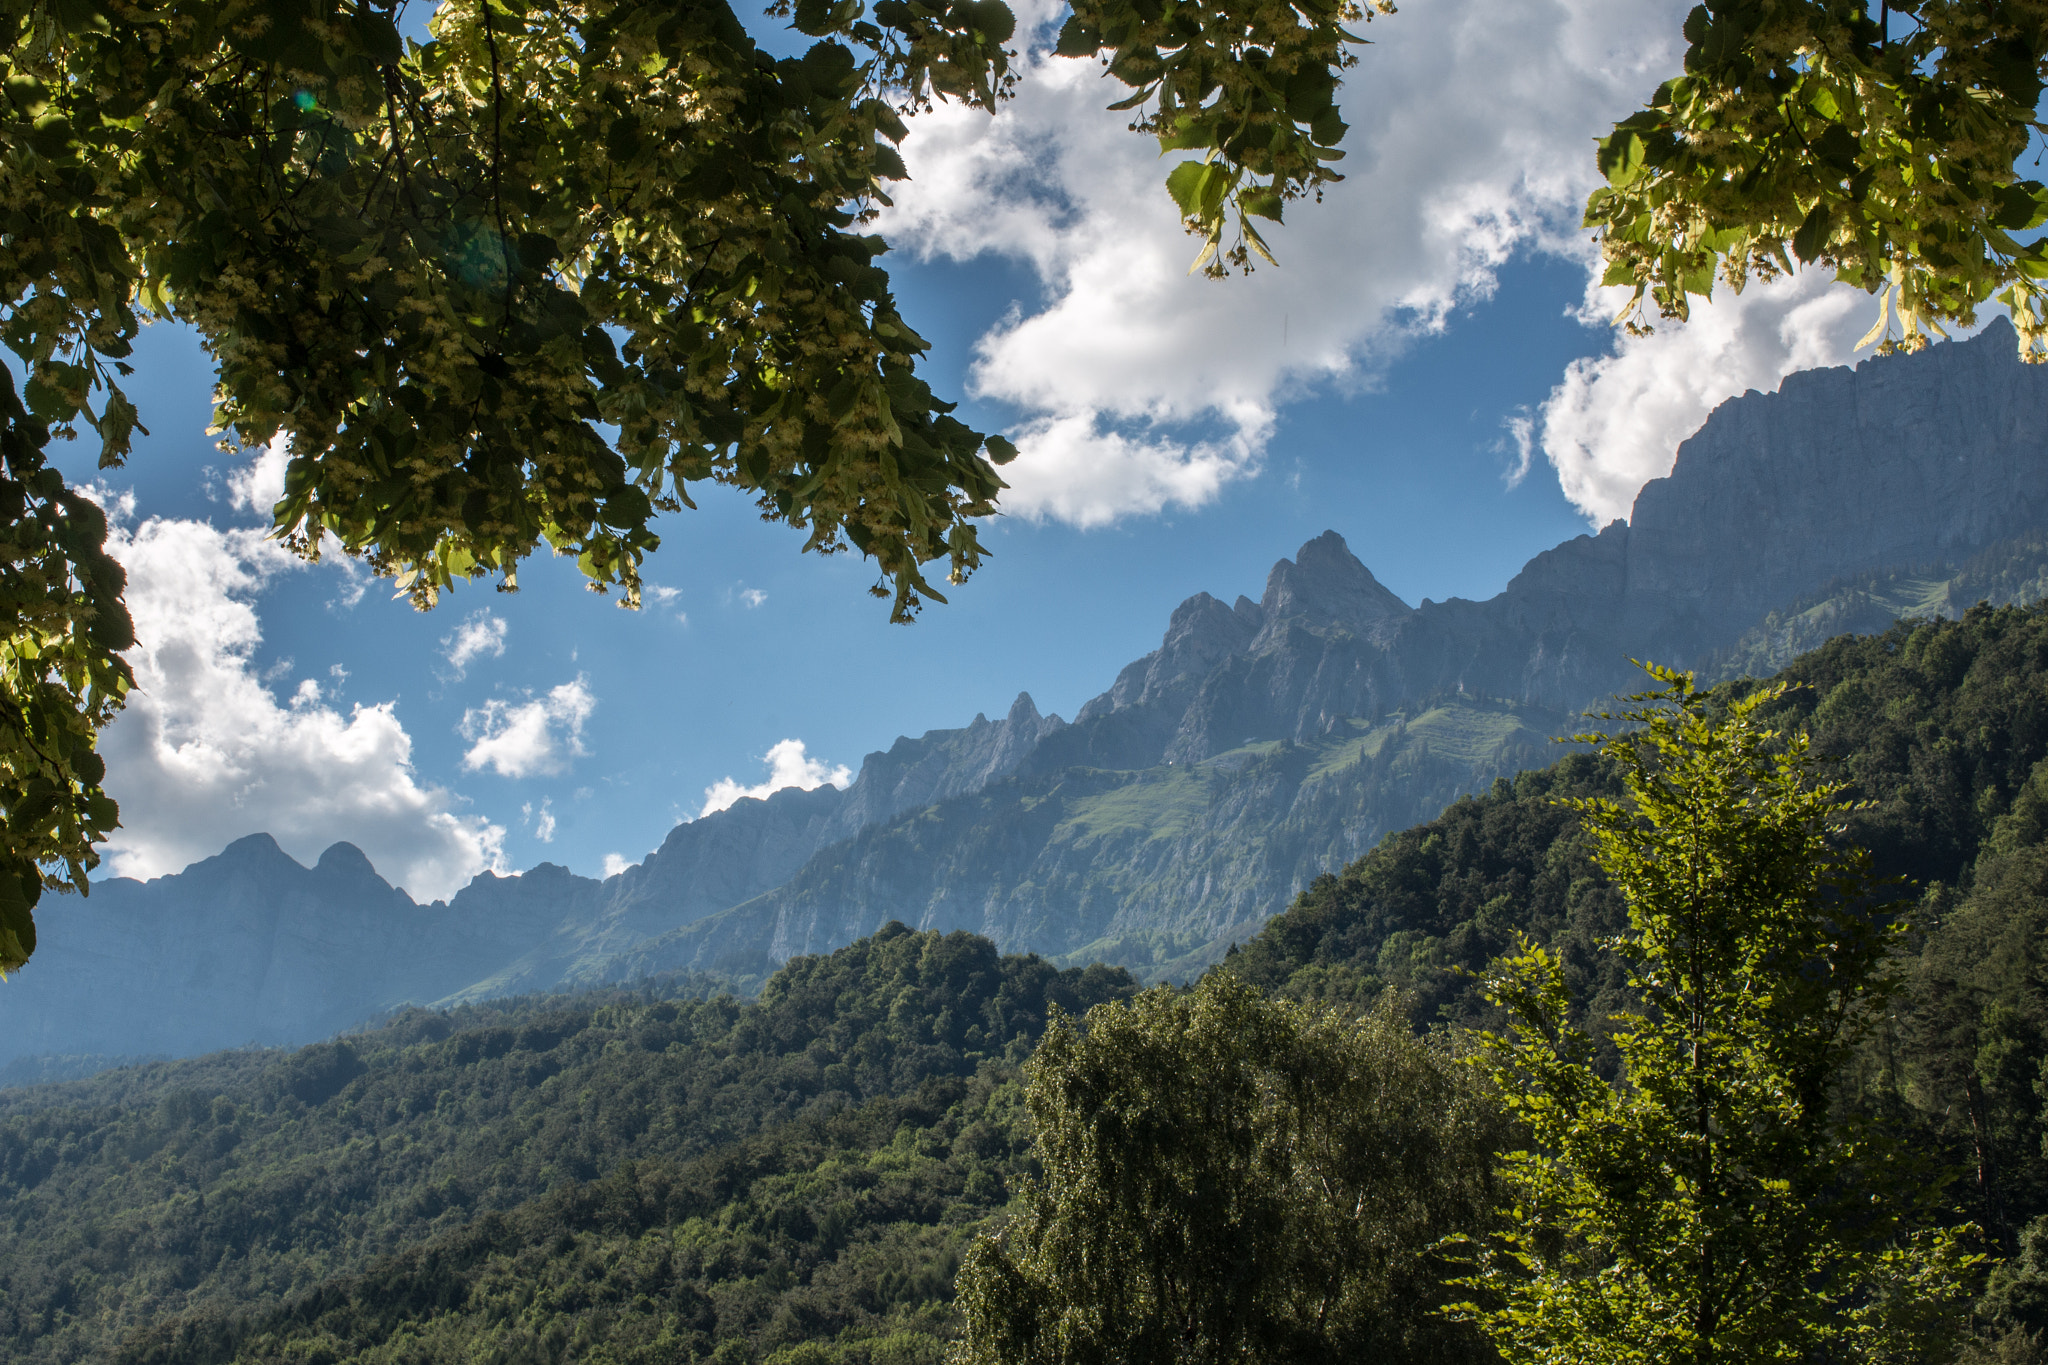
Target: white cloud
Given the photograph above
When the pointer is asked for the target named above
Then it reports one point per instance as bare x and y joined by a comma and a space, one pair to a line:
259, 485
1080, 473
205, 752
614, 864
1472, 138
752, 597
528, 738
1615, 422
543, 822
788, 766
480, 635
665, 597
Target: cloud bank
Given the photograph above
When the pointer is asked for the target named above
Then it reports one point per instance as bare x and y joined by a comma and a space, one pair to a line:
1138, 389
788, 766
206, 753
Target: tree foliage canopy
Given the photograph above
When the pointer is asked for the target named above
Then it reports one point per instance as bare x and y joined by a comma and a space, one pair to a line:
1883, 147
1229, 1178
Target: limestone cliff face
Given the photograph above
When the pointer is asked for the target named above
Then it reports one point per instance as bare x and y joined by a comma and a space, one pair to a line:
1904, 461
1261, 743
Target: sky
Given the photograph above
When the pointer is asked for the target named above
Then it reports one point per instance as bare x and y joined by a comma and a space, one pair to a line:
1429, 371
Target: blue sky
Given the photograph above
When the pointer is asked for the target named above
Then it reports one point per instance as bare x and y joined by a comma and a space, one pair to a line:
1435, 329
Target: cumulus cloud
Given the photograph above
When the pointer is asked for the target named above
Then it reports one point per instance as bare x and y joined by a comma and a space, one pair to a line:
530, 738
543, 821
752, 597
206, 753
1615, 421
1472, 138
259, 485
481, 635
788, 766
614, 864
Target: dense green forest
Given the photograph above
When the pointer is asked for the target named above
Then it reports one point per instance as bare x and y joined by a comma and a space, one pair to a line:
634, 1178
506, 1166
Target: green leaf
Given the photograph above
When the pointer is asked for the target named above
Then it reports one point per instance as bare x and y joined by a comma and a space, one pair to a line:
1812, 237
1077, 38
17, 920
2022, 206
814, 18
992, 19
1262, 202
1185, 183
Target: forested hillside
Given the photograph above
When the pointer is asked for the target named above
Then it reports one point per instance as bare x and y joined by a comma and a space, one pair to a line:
849, 1129
1942, 729
628, 1178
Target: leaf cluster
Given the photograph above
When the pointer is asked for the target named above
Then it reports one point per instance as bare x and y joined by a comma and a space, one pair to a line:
61, 678
440, 272
1250, 86
1883, 146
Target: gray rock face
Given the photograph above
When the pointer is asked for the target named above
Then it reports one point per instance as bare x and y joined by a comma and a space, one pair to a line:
1325, 585
943, 763
248, 947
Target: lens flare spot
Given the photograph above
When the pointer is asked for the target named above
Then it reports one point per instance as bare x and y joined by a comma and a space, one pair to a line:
304, 99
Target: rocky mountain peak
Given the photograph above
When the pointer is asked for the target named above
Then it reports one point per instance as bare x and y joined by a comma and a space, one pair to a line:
345, 860
1325, 584
1201, 633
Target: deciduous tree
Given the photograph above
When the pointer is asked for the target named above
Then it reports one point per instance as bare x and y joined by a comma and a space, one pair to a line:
1229, 1178
1716, 1201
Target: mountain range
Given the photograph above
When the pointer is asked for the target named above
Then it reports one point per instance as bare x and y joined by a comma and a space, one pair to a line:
1263, 743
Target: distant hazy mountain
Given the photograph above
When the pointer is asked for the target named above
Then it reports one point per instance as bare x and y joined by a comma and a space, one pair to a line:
1262, 743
